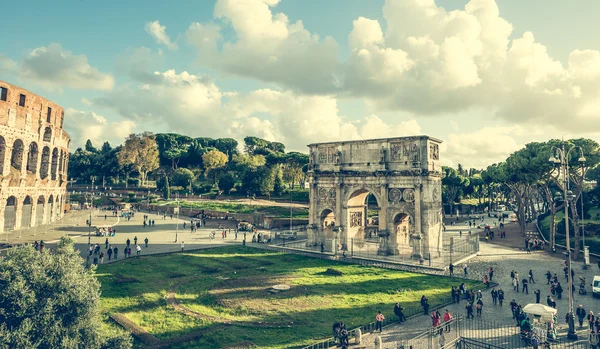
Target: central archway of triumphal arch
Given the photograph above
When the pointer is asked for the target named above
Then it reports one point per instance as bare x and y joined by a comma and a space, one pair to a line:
404, 177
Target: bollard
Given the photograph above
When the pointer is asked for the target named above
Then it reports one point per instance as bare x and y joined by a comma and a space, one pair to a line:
378, 342
357, 336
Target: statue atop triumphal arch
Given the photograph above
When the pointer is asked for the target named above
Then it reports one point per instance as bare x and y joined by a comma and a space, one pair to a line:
385, 192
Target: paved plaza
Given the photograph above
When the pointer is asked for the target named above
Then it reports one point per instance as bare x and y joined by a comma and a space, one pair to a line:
503, 260
161, 236
493, 254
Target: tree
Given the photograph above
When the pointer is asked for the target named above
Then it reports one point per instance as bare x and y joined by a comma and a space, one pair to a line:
213, 160
106, 148
167, 189
452, 184
140, 151
226, 182
50, 300
89, 147
183, 177
278, 183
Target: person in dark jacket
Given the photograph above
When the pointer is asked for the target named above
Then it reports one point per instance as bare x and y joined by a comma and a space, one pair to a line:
398, 311
425, 305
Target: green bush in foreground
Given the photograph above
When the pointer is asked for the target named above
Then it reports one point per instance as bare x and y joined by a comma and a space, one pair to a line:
49, 300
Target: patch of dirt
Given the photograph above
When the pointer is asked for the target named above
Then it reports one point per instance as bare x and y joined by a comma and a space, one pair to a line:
175, 275
332, 272
241, 345
135, 330
121, 279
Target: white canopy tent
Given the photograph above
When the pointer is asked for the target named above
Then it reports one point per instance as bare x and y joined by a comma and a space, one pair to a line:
539, 311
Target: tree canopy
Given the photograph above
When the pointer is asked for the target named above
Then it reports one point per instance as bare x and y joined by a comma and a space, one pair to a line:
49, 300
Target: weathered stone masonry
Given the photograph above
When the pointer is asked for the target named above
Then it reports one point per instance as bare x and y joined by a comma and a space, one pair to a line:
404, 174
34, 151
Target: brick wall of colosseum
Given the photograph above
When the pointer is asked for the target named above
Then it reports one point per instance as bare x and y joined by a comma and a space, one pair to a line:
34, 151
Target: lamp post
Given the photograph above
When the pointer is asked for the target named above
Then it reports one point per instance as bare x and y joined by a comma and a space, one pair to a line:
177, 219
563, 162
585, 264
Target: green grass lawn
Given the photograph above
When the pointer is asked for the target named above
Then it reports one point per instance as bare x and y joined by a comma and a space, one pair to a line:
229, 284
277, 211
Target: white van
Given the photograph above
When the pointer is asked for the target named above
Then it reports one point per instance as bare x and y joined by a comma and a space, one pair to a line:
596, 286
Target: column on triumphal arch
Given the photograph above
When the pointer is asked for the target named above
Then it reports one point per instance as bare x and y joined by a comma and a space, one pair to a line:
418, 233
313, 225
383, 210
342, 234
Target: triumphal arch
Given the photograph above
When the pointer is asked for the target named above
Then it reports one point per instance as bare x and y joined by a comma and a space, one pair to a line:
404, 176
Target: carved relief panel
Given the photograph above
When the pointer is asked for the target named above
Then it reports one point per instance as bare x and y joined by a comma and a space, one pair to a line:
398, 195
329, 155
356, 219
404, 151
434, 151
326, 196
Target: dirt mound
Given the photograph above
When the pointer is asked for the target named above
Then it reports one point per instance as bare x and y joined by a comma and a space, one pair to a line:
241, 345
332, 272
121, 279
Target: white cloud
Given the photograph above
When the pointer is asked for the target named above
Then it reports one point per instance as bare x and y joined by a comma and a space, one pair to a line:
54, 68
159, 33
7, 65
196, 106
427, 61
84, 125
268, 47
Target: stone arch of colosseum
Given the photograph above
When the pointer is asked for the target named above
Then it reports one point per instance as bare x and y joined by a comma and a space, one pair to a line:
33, 160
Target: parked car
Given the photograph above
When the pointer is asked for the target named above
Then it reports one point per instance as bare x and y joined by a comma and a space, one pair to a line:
287, 234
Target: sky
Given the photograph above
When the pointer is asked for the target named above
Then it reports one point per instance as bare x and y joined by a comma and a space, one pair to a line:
484, 76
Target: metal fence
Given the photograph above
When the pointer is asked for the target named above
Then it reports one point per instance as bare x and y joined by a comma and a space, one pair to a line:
453, 250
476, 333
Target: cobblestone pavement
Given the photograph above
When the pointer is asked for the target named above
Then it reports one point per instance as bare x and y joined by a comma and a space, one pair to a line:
503, 260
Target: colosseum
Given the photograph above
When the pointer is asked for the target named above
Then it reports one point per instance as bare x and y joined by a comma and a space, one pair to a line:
33, 159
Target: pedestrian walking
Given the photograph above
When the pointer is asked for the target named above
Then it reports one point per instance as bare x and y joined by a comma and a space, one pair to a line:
146, 242
101, 257
525, 286
593, 339
425, 305
465, 270
581, 313
109, 253
116, 252
500, 296
135, 240
182, 245
548, 277
128, 242
591, 319
494, 296
479, 307
106, 243
491, 274
531, 280
451, 268
537, 296
469, 308
515, 284
447, 319
138, 249
379, 321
